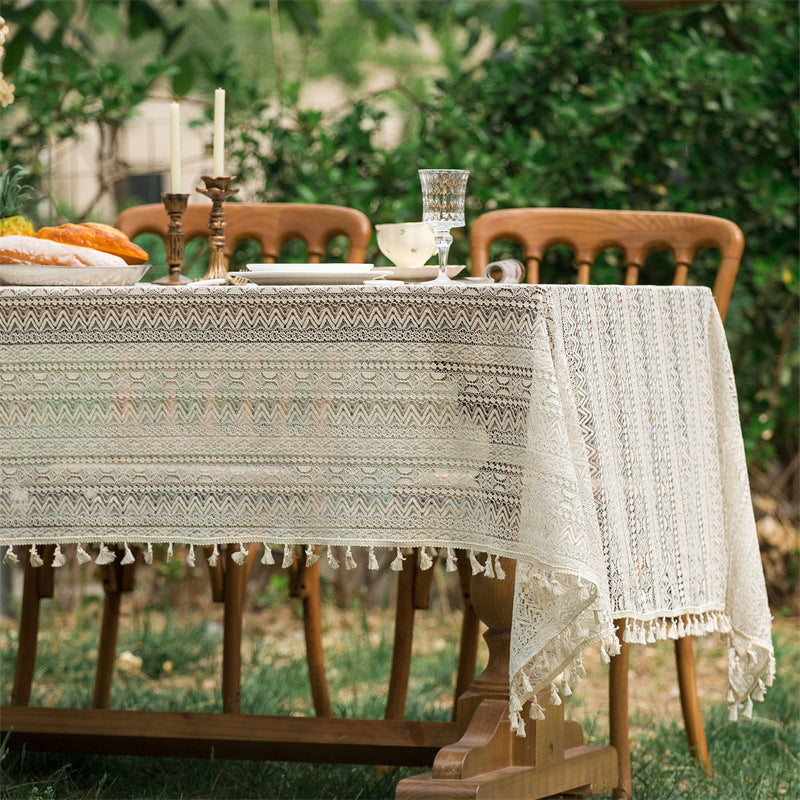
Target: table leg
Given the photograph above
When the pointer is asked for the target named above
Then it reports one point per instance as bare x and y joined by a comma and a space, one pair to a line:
489, 760
37, 583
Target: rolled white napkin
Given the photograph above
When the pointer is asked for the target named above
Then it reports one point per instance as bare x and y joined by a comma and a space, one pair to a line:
509, 270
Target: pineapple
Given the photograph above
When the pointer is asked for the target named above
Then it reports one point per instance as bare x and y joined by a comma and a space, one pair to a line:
13, 195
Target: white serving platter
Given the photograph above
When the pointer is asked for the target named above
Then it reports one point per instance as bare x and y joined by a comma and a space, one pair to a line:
309, 274
52, 275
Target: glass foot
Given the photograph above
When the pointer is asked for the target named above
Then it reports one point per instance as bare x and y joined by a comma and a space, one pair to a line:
439, 279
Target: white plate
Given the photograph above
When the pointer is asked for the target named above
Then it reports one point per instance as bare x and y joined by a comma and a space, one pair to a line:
309, 274
426, 273
50, 275
308, 267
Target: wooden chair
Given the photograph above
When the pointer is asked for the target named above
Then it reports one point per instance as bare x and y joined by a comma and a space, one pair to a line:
272, 225
637, 234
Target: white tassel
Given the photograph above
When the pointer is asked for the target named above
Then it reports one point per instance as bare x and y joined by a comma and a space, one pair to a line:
397, 564
517, 725
487, 570
614, 648
34, 557
451, 564
672, 633
10, 557
566, 691
81, 555
626, 634
527, 686
105, 556
128, 556
240, 556
169, 552
424, 560
579, 668
267, 558
288, 556
499, 572
555, 697
312, 555
213, 559
758, 692
604, 656
730, 697
476, 565
59, 559
148, 555
373, 561
733, 713
333, 563
681, 628
349, 561
748, 709
536, 711
190, 558
515, 704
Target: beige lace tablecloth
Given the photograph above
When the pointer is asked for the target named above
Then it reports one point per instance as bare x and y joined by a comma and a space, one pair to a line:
591, 433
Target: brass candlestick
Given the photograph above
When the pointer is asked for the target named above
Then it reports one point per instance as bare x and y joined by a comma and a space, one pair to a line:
175, 204
219, 190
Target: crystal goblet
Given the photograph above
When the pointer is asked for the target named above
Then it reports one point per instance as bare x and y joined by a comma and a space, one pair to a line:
443, 193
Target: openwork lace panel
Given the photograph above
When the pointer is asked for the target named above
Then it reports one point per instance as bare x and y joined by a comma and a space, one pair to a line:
591, 433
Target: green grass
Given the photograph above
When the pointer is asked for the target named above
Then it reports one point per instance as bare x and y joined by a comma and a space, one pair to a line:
179, 669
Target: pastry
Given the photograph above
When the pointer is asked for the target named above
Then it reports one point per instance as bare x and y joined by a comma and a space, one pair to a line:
97, 236
32, 250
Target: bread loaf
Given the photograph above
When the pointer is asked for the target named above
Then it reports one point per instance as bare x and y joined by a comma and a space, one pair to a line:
98, 237
32, 250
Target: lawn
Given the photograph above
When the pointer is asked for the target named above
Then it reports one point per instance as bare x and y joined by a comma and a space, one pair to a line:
169, 662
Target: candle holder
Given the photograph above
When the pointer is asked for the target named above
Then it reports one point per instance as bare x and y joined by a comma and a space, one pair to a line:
175, 204
219, 190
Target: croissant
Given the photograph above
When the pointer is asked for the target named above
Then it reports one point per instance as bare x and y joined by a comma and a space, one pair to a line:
97, 236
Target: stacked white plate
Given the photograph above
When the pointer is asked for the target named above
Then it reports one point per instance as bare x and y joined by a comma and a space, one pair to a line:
426, 273
308, 274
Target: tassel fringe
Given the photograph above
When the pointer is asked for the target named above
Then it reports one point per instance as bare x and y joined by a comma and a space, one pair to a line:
477, 567
397, 564
128, 558
59, 559
312, 555
240, 556
34, 557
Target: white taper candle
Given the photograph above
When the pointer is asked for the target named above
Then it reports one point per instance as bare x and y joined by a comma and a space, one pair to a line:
175, 148
219, 133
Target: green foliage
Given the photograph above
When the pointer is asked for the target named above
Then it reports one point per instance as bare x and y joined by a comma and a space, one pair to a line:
689, 110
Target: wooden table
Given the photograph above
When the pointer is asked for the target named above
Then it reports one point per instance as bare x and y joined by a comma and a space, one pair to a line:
394, 417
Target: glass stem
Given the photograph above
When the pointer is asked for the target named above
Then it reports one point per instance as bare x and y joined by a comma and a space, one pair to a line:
443, 241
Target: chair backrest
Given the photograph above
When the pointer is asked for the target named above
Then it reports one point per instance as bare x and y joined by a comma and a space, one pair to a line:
272, 225
587, 232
